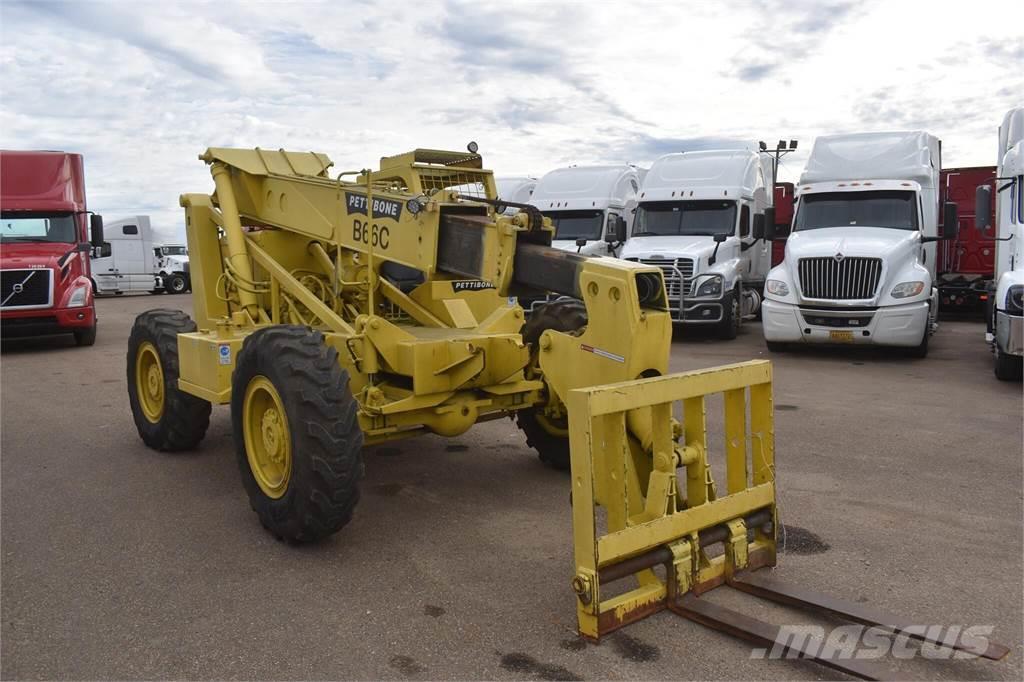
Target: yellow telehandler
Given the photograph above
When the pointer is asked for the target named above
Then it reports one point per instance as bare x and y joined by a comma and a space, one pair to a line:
335, 312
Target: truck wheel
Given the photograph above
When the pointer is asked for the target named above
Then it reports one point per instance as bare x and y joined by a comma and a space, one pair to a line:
776, 347
729, 327
86, 337
166, 417
920, 350
175, 283
297, 440
1008, 367
547, 426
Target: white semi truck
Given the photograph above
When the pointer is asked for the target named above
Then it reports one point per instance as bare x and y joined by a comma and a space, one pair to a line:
134, 263
591, 206
1006, 310
517, 189
859, 265
701, 219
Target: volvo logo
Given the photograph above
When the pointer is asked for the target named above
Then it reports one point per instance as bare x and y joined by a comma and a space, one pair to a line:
839, 257
18, 288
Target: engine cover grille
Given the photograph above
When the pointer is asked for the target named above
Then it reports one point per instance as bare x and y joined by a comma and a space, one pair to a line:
831, 279
26, 288
675, 285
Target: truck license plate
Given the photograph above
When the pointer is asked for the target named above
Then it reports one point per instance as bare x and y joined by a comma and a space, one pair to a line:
841, 336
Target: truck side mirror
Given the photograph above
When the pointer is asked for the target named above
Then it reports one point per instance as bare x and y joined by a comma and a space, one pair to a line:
615, 232
769, 224
720, 237
758, 231
950, 220
96, 230
983, 209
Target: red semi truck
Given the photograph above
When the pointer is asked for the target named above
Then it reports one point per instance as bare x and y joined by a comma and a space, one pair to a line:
45, 243
783, 201
966, 266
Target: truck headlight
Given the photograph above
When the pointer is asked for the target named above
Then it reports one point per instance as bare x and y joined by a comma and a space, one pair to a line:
710, 287
78, 297
1015, 300
907, 289
776, 287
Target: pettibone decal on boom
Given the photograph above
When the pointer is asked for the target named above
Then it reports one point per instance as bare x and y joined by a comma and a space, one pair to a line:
602, 353
382, 208
470, 285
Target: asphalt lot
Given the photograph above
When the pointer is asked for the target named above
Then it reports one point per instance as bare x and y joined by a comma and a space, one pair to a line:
121, 562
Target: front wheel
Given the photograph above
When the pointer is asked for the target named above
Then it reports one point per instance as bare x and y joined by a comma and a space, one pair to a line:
86, 337
297, 439
729, 327
175, 284
547, 426
1008, 367
166, 417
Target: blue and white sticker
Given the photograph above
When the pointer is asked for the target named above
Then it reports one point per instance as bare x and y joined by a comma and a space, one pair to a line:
224, 354
513, 301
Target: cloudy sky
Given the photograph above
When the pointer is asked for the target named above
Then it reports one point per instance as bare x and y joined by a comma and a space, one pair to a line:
141, 88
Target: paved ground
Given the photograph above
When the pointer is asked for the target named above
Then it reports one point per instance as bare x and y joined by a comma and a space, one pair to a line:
120, 562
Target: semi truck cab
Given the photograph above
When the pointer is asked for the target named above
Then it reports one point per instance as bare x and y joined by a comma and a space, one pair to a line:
1005, 319
701, 218
591, 207
859, 263
47, 234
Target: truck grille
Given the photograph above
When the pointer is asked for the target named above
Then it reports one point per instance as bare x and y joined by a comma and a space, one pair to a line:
672, 269
849, 278
26, 288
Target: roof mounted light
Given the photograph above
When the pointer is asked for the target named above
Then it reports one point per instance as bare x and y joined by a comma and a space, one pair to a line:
472, 147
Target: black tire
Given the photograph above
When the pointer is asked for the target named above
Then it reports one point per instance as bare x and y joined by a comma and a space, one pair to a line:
86, 337
569, 316
322, 488
776, 346
1008, 367
175, 283
185, 417
729, 327
920, 351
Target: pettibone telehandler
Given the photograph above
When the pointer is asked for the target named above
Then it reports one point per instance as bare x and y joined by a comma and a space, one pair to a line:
334, 313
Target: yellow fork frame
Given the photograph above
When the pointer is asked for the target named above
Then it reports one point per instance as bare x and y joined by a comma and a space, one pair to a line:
652, 517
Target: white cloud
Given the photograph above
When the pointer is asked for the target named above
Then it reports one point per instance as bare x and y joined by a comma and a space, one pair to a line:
142, 88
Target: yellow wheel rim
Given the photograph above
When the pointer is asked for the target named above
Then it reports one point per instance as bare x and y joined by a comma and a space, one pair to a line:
149, 382
268, 442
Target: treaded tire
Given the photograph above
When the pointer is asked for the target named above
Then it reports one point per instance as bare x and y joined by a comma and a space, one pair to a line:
326, 440
86, 337
1008, 367
185, 417
175, 284
729, 327
569, 316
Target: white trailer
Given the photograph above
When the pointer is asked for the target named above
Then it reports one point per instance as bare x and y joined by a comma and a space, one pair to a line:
1005, 320
591, 206
859, 265
701, 219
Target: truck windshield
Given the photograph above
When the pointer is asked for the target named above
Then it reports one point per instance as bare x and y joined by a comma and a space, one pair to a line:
173, 251
577, 224
22, 227
694, 218
889, 208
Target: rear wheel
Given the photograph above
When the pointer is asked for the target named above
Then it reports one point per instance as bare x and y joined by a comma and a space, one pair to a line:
547, 426
297, 440
1008, 367
167, 418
